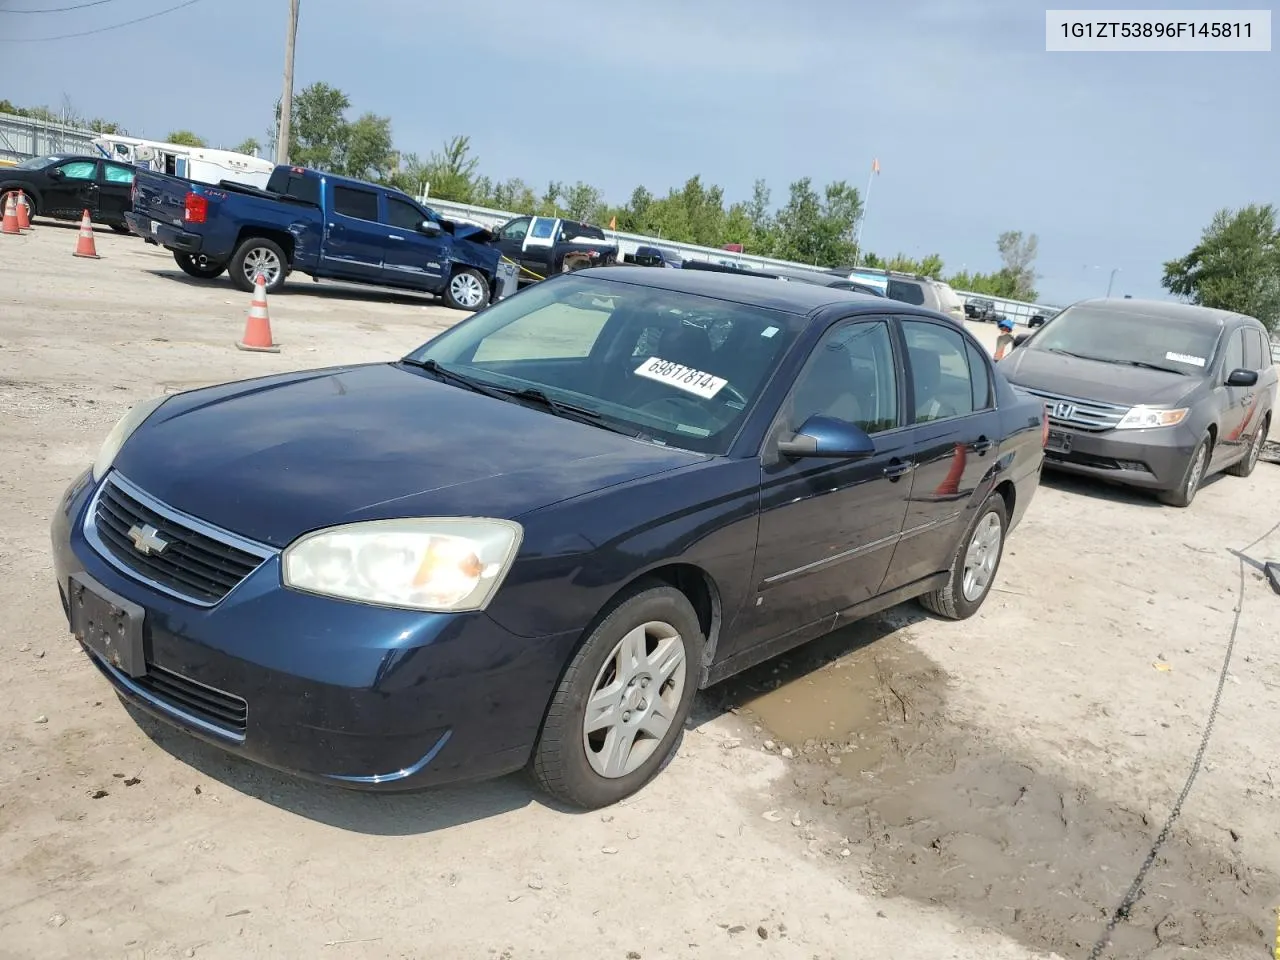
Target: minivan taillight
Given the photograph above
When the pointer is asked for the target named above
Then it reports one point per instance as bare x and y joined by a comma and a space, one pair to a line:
195, 209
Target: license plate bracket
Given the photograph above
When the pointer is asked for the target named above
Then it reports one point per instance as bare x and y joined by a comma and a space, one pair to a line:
107, 624
1059, 441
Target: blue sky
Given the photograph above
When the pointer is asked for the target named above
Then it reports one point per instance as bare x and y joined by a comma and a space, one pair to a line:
1113, 160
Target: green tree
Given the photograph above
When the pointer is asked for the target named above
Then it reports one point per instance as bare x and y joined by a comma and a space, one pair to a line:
1235, 266
583, 202
318, 130
249, 145
186, 138
452, 171
819, 230
1018, 253
368, 153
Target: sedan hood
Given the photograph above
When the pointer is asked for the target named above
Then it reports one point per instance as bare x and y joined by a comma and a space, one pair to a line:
1093, 379
273, 458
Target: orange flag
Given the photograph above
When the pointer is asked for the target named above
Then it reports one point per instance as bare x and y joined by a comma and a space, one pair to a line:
875, 166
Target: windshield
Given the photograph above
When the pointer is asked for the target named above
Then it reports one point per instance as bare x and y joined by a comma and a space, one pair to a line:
35, 163
671, 367
1130, 338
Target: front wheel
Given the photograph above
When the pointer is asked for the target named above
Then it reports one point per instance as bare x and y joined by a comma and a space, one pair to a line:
974, 566
467, 290
199, 267
1185, 492
617, 715
258, 255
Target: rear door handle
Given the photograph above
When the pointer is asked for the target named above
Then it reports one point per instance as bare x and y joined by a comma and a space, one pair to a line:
394, 237
982, 446
898, 469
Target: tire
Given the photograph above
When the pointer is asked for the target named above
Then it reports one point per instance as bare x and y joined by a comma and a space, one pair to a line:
192, 266
258, 253
955, 601
1244, 466
579, 768
120, 228
467, 290
1185, 492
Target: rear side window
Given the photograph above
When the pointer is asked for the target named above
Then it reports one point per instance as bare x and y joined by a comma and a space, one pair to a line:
912, 293
979, 377
1252, 349
114, 173
358, 204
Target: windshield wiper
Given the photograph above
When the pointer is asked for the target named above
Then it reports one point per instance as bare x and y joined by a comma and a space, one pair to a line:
1081, 356
569, 411
461, 379
1156, 366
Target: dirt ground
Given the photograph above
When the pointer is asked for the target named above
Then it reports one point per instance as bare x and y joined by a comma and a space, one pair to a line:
906, 788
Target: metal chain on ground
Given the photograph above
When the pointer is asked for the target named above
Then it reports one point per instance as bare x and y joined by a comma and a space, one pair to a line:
1134, 893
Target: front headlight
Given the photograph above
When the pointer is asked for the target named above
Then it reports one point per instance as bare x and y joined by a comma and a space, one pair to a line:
443, 565
121, 432
1141, 417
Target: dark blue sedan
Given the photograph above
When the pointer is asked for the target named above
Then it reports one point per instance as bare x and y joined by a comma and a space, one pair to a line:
529, 542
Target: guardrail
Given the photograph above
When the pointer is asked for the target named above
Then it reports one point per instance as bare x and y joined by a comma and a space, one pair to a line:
1016, 310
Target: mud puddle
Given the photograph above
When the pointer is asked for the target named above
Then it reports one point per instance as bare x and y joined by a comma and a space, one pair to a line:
936, 811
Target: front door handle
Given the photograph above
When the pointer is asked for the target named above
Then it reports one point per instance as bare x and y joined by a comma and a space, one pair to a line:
394, 237
982, 446
897, 469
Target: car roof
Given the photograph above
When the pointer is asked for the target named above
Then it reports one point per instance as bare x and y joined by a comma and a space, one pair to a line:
794, 298
1164, 310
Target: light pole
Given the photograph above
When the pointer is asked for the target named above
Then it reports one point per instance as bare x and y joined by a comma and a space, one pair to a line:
1112, 281
286, 99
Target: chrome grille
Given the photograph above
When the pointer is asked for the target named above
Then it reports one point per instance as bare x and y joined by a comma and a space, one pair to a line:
198, 563
1090, 415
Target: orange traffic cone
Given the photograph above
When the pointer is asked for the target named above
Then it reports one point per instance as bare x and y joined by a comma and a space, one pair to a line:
950, 486
257, 326
11, 215
85, 247
24, 219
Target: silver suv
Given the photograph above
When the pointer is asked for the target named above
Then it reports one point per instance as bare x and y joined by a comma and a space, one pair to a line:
910, 288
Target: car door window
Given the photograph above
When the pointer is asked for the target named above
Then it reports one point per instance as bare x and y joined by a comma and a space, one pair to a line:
1252, 349
516, 229
402, 215
114, 173
1233, 356
979, 376
357, 204
851, 376
942, 383
79, 170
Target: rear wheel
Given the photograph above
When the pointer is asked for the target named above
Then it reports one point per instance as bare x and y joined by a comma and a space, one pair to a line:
258, 255
1185, 492
1244, 467
467, 290
199, 267
974, 566
618, 713
120, 228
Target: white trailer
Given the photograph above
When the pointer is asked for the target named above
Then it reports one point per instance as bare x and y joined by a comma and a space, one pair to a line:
195, 163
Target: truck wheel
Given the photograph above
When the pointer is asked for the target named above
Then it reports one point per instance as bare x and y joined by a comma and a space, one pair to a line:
467, 290
198, 266
258, 255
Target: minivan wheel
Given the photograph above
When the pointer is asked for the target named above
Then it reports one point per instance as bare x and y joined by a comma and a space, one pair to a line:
975, 564
1185, 492
616, 717
1244, 466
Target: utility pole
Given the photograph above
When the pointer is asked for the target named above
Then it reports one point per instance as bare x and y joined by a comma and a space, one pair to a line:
1112, 281
286, 99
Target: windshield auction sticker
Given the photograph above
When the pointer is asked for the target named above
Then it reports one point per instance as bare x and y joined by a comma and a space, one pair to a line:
677, 375
1185, 358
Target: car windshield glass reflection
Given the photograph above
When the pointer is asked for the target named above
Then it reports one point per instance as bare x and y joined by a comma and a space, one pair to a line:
1164, 343
672, 367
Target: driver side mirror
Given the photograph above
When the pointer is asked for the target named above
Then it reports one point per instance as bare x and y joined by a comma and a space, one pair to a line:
829, 438
1020, 339
430, 228
56, 173
1241, 377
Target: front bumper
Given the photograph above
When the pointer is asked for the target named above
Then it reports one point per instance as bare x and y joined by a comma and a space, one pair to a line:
165, 234
1154, 459
333, 691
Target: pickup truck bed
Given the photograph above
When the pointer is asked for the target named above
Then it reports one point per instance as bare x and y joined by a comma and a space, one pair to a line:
319, 224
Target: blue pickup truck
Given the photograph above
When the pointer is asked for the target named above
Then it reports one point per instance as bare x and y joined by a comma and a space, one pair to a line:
320, 224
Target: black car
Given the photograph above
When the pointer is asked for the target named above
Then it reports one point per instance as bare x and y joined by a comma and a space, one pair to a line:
64, 186
981, 310
1150, 393
530, 541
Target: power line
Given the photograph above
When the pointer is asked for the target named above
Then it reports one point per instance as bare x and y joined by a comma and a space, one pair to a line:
78, 6
89, 33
